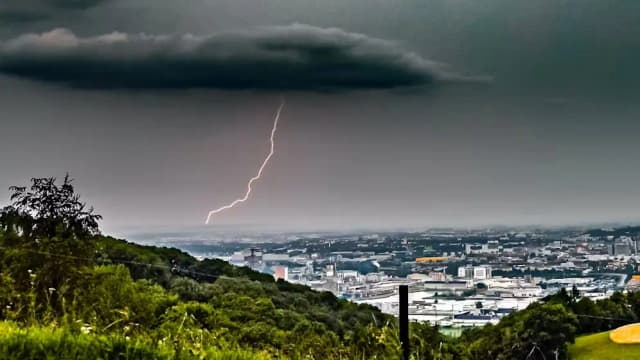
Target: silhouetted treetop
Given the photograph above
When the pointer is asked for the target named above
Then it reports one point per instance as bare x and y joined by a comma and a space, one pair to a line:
46, 209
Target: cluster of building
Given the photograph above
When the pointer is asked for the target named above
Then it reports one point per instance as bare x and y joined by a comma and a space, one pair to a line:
456, 279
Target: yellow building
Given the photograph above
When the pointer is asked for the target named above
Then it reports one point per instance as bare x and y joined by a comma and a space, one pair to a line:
431, 259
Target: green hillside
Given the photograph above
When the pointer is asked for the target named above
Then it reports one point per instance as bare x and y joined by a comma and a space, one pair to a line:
599, 347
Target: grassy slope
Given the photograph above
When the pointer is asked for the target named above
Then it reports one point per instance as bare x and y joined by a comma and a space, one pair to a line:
599, 347
45, 343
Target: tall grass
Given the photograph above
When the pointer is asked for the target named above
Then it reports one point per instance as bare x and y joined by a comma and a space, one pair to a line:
48, 343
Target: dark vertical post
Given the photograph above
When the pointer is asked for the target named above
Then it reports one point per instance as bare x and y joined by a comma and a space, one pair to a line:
404, 320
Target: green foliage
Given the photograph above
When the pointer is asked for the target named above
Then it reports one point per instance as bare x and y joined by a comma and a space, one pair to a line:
47, 239
428, 343
545, 328
61, 343
117, 301
188, 315
541, 331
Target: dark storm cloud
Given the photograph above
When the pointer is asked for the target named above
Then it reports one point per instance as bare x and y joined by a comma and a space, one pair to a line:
20, 16
296, 57
33, 10
74, 4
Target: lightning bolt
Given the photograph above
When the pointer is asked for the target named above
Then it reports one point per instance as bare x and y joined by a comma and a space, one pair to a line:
259, 174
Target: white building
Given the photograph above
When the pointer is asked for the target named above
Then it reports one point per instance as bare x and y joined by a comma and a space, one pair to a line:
276, 257
491, 247
482, 272
465, 272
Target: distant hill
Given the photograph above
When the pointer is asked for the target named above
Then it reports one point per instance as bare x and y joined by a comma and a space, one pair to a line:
623, 231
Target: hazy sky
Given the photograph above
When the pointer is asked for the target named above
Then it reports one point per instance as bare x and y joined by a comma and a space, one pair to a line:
409, 113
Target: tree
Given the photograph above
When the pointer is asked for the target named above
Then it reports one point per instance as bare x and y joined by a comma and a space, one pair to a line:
543, 332
49, 240
590, 316
47, 209
575, 294
560, 297
426, 341
539, 332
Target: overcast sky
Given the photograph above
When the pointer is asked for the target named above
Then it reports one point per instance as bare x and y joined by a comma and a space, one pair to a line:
398, 113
